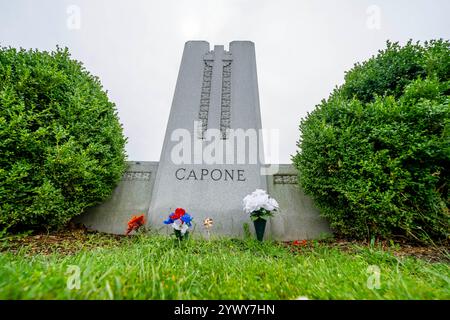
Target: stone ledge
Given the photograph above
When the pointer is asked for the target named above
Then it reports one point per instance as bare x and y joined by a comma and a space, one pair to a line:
298, 217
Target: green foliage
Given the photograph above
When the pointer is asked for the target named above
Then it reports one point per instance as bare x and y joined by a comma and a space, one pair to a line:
394, 68
61, 144
155, 267
376, 155
261, 214
247, 233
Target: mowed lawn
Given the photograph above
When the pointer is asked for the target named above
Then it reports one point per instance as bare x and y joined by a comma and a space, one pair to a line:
157, 267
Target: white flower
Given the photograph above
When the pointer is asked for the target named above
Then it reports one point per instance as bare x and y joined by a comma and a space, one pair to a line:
259, 199
250, 204
271, 204
179, 225
259, 192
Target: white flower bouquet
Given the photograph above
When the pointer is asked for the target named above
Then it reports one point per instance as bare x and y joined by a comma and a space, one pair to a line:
260, 205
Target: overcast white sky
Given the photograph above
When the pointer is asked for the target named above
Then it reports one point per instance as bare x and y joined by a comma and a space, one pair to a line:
135, 47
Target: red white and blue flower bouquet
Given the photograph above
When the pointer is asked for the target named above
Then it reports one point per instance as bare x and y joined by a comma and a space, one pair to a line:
181, 222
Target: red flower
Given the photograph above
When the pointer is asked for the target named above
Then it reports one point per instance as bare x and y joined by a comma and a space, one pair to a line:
135, 223
300, 243
179, 212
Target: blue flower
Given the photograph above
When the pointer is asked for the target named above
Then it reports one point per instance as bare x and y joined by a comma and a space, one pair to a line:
186, 218
168, 221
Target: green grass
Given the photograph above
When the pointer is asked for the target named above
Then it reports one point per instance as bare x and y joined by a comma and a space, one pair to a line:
155, 267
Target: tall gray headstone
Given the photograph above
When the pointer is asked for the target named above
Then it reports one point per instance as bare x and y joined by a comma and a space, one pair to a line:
216, 90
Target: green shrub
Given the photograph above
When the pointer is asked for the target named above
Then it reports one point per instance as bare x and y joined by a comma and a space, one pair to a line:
61, 143
375, 156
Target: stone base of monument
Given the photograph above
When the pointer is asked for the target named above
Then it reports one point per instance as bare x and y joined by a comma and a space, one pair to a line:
130, 197
297, 218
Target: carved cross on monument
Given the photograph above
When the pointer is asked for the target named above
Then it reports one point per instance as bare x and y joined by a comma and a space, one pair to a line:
218, 88
215, 101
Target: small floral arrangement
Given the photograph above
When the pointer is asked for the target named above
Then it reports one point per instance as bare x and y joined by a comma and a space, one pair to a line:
297, 245
135, 223
180, 221
300, 243
260, 205
208, 223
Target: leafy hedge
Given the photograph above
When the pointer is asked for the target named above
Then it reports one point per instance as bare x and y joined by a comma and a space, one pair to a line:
61, 143
375, 156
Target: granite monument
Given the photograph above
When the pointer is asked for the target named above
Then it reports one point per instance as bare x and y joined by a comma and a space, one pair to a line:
212, 156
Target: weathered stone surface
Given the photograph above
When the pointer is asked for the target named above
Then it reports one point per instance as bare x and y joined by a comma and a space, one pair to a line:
220, 88
131, 197
297, 218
